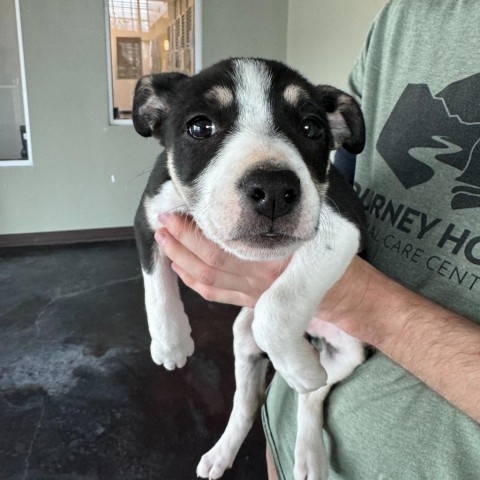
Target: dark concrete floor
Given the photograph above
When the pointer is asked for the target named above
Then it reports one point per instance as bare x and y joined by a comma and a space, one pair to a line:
80, 397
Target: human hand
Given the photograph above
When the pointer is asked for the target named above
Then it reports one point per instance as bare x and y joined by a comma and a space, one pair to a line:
365, 303
221, 277
213, 273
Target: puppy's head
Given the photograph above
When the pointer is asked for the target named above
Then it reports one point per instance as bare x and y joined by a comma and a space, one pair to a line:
247, 143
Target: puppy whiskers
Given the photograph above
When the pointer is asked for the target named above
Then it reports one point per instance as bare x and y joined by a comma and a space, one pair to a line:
173, 209
143, 172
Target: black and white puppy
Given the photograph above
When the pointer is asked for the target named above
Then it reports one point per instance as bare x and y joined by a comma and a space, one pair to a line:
247, 145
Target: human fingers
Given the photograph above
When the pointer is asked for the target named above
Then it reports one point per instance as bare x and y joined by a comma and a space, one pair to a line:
201, 273
215, 294
185, 230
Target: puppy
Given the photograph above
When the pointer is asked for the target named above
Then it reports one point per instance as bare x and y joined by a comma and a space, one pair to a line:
247, 144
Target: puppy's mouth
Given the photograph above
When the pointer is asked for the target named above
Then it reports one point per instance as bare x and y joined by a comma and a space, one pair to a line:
269, 239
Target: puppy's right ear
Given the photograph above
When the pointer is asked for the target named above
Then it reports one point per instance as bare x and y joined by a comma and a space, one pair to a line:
152, 101
345, 118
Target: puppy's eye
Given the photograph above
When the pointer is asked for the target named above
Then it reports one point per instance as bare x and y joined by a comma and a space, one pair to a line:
312, 128
201, 127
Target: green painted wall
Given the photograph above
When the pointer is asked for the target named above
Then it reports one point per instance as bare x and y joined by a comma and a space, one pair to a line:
75, 150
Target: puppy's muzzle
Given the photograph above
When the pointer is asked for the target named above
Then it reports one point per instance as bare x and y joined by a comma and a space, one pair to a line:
271, 193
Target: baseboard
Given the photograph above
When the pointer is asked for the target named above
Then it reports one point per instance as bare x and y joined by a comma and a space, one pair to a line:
66, 237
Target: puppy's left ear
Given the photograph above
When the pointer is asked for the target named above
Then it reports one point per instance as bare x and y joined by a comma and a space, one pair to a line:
345, 118
152, 101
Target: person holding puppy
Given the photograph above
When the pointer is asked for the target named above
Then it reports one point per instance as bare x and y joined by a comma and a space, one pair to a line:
412, 410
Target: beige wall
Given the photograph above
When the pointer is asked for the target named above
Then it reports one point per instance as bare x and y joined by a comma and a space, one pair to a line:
89, 174
75, 150
234, 28
325, 36
76, 153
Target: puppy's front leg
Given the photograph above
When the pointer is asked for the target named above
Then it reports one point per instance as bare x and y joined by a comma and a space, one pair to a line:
284, 311
282, 315
167, 322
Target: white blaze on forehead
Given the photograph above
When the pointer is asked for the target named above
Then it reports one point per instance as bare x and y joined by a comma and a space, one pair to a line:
221, 95
253, 81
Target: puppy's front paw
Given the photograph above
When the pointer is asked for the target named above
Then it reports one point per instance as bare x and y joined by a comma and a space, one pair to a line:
172, 356
214, 463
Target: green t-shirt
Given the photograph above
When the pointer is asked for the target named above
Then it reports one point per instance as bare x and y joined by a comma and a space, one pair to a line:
418, 81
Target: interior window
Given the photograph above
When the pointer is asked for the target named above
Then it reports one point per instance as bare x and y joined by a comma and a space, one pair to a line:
13, 126
147, 36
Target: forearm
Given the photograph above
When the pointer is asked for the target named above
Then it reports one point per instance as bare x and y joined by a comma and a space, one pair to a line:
439, 347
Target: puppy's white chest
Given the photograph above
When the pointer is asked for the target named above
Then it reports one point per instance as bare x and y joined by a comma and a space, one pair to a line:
167, 200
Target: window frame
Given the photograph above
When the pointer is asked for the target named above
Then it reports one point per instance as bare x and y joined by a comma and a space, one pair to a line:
197, 56
20, 162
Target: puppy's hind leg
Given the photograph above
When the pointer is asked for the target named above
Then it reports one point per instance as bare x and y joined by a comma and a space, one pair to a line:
311, 461
340, 354
250, 370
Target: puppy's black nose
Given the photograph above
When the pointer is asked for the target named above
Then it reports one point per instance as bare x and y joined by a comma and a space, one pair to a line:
272, 193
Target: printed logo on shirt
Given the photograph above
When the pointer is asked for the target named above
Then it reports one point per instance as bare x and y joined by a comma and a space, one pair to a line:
426, 132
451, 251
